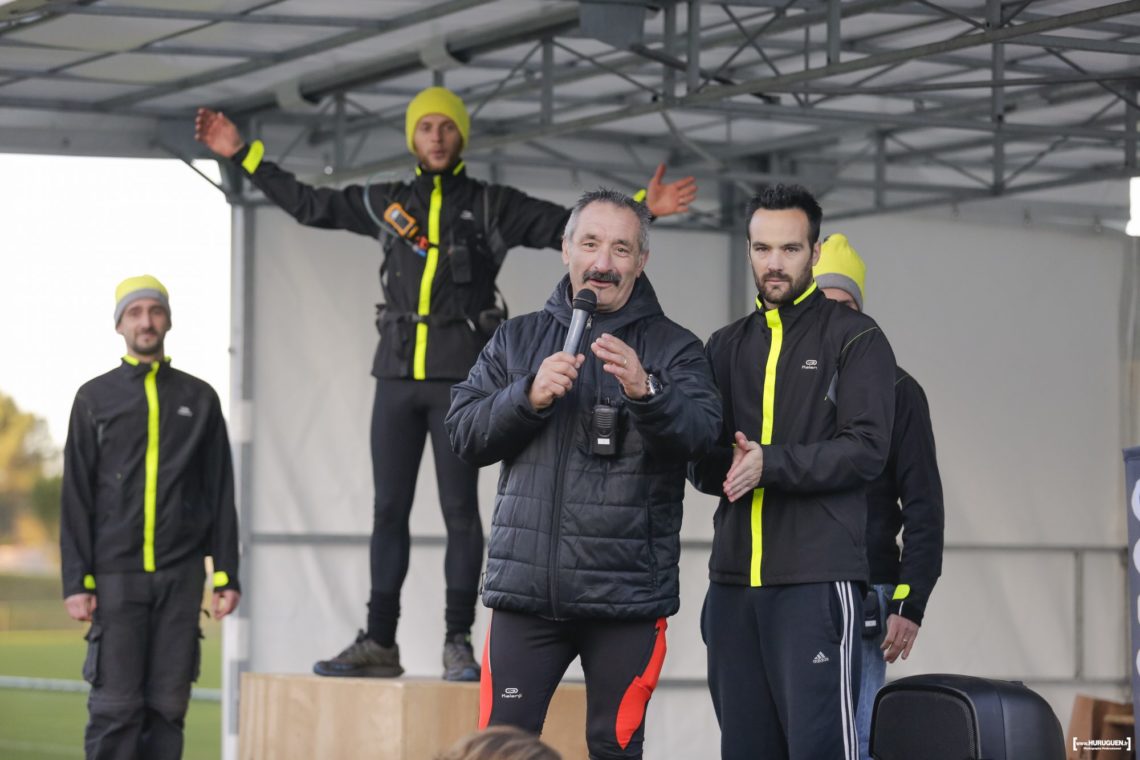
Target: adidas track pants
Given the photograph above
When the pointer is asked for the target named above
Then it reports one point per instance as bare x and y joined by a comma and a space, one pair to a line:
784, 669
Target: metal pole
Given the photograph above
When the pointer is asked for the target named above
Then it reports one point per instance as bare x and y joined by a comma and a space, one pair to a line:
547, 104
237, 630
338, 144
693, 75
833, 34
997, 96
1130, 130
880, 170
669, 81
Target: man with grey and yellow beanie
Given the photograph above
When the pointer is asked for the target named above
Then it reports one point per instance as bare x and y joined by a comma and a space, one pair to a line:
147, 495
907, 496
444, 236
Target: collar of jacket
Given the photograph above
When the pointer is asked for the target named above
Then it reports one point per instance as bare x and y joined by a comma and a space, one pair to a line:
136, 367
642, 303
457, 173
806, 301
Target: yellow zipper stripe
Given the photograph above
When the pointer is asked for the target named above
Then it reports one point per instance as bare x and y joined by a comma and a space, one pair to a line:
768, 409
150, 493
419, 365
776, 325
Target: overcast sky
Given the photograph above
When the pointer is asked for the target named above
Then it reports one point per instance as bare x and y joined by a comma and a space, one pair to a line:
73, 228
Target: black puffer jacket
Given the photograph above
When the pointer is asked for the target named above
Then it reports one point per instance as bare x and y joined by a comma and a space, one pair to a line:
576, 535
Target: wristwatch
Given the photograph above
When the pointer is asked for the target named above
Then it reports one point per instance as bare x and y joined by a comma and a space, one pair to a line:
652, 386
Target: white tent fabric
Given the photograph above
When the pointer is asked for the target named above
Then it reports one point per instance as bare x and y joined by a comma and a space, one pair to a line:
1014, 331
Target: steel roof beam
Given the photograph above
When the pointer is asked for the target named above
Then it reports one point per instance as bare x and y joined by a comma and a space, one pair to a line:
720, 94
399, 22
181, 14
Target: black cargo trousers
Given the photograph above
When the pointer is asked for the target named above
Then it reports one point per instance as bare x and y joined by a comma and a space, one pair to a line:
143, 653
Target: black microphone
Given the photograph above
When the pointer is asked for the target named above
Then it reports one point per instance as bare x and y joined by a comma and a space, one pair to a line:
584, 305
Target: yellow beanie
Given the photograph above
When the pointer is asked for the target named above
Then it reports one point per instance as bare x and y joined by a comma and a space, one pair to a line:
436, 100
134, 288
840, 267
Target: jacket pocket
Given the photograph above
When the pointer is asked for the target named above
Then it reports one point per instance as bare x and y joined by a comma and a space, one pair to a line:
652, 548
91, 662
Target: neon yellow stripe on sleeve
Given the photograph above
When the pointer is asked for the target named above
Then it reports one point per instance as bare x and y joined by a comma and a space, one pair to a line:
253, 158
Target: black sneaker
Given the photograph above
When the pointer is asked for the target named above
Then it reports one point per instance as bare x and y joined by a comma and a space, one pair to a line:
363, 658
459, 659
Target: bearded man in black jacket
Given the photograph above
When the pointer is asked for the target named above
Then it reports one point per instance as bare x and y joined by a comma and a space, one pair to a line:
808, 393
584, 541
445, 236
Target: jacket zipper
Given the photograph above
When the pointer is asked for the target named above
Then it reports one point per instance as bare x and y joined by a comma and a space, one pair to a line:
556, 527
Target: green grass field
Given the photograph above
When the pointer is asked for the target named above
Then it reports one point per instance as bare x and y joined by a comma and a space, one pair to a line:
38, 640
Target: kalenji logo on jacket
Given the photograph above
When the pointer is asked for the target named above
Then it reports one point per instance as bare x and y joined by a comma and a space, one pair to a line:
184, 411
810, 364
511, 693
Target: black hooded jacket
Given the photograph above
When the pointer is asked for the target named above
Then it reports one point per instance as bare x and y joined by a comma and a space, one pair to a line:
813, 383
575, 534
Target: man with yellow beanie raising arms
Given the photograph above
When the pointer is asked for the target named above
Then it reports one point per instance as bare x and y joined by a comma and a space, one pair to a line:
906, 496
444, 237
148, 493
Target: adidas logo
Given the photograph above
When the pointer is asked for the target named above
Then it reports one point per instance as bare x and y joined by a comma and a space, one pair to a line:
184, 411
820, 658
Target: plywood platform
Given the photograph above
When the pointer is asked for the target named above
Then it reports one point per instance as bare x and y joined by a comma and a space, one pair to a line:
302, 717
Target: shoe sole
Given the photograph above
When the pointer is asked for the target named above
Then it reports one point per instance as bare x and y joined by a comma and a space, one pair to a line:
466, 675
363, 672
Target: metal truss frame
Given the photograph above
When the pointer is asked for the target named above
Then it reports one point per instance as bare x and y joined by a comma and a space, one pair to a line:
884, 105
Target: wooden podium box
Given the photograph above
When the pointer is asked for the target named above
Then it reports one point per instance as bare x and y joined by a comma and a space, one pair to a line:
303, 717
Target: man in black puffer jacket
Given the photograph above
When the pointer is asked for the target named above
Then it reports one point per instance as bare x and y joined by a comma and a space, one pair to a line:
584, 541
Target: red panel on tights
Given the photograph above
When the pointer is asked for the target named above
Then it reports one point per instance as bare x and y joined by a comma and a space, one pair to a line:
486, 690
631, 713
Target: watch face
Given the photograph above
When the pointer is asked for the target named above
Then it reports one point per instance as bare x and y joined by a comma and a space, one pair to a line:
653, 385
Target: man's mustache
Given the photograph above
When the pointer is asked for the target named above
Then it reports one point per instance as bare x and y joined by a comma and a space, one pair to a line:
599, 276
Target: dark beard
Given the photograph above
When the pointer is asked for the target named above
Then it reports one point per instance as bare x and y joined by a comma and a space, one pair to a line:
156, 350
795, 290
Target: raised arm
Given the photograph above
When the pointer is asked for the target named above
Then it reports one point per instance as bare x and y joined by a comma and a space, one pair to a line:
323, 207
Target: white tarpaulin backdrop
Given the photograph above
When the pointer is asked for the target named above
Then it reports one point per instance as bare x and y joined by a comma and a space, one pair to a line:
1014, 331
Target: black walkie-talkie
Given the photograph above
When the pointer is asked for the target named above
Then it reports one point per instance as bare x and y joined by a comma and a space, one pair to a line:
603, 431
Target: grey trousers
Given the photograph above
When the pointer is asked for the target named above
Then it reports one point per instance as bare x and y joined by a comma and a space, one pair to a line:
143, 653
